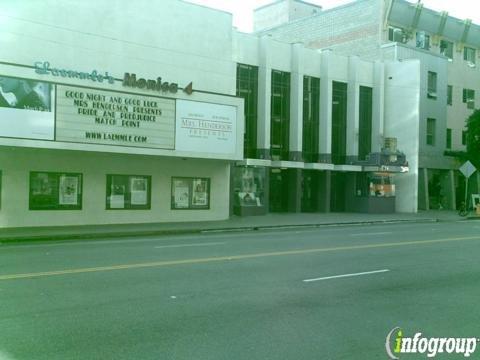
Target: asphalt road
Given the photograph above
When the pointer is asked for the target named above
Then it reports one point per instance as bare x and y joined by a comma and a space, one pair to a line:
241, 295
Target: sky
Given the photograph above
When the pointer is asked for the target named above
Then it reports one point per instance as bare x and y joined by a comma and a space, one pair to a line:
242, 10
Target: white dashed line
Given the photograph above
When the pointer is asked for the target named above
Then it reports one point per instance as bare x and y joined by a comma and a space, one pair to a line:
189, 245
346, 275
375, 233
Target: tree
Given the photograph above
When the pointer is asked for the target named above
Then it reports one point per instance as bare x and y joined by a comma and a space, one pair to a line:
473, 138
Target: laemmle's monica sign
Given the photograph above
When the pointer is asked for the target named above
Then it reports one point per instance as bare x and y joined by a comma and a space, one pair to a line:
130, 80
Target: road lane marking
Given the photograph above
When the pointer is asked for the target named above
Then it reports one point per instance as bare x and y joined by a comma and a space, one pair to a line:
231, 257
216, 231
189, 245
373, 233
346, 275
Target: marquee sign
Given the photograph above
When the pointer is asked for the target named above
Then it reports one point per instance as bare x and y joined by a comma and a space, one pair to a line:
77, 114
100, 117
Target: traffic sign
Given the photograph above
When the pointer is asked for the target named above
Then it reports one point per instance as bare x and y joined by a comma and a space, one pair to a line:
467, 169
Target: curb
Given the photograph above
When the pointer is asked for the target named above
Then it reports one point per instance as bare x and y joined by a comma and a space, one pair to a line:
93, 236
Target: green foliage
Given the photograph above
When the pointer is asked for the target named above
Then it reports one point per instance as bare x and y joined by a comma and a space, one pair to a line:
473, 138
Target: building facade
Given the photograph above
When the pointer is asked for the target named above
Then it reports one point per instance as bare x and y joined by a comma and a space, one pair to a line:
120, 115
121, 124
448, 50
316, 127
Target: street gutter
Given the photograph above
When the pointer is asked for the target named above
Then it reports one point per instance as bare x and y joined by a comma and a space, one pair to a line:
98, 235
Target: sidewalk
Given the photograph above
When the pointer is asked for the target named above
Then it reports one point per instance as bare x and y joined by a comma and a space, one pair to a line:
233, 224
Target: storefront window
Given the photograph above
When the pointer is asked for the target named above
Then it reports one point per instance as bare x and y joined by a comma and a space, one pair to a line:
190, 193
128, 192
55, 191
375, 185
249, 186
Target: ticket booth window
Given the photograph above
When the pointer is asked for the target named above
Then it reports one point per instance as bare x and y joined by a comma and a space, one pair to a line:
375, 184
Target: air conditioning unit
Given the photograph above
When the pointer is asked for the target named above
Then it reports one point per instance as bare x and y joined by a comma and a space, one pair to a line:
400, 36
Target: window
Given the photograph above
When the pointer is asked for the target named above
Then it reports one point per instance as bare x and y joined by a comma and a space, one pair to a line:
449, 94
128, 192
423, 40
374, 185
55, 191
249, 186
446, 48
247, 88
464, 137
190, 193
311, 118
469, 55
449, 138
339, 122
430, 131
280, 115
365, 122
432, 85
468, 97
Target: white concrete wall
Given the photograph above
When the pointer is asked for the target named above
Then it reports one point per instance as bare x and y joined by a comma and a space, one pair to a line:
430, 108
402, 102
282, 12
378, 109
178, 41
300, 9
246, 49
271, 15
18, 162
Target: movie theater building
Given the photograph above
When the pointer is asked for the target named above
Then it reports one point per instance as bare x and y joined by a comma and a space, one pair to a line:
140, 114
325, 132
121, 124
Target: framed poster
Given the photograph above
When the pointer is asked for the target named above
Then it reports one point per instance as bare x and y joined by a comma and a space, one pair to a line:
206, 127
200, 195
181, 193
68, 191
26, 108
190, 193
138, 191
55, 191
128, 192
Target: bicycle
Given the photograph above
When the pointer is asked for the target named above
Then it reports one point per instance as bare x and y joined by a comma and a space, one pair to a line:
462, 210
